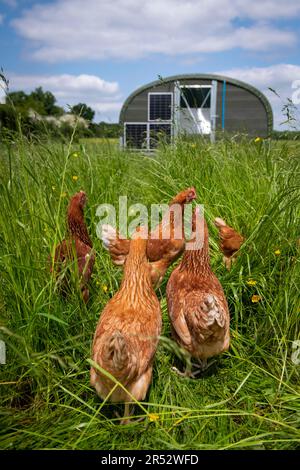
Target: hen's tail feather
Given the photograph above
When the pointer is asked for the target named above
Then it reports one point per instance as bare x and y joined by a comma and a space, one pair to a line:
219, 222
109, 235
118, 359
213, 312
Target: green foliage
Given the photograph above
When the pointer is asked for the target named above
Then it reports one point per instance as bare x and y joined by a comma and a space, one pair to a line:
43, 102
8, 117
84, 111
106, 129
286, 135
250, 398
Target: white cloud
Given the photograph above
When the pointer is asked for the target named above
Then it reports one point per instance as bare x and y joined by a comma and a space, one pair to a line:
106, 107
268, 9
280, 77
103, 96
89, 29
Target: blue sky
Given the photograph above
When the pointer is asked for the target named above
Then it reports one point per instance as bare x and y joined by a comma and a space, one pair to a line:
99, 51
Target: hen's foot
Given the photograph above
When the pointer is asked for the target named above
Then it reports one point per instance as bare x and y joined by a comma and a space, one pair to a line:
200, 366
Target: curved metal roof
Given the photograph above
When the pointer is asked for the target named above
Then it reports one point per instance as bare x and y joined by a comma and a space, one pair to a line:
203, 76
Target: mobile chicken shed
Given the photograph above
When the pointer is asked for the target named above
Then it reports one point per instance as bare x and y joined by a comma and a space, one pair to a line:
200, 104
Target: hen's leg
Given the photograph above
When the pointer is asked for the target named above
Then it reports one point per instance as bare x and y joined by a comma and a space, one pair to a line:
200, 366
127, 413
85, 294
227, 262
139, 391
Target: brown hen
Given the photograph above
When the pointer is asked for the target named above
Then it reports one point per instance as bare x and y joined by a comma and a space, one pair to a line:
127, 333
230, 241
197, 305
161, 251
77, 244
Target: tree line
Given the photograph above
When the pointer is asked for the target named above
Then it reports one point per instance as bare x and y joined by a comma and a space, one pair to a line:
37, 113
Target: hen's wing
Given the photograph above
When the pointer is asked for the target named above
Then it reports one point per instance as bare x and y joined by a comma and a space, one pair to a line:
85, 258
231, 240
60, 255
176, 308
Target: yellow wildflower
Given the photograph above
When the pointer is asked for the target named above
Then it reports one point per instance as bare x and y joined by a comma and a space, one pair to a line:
258, 139
75, 154
104, 288
255, 298
251, 282
153, 417
193, 146
74, 177
277, 252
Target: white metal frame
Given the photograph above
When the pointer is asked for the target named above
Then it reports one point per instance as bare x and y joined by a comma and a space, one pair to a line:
147, 124
213, 109
213, 105
167, 121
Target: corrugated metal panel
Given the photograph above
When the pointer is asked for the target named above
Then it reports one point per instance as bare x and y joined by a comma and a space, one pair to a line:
244, 111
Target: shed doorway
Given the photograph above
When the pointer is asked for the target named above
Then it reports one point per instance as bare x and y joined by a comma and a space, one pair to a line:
196, 109
195, 106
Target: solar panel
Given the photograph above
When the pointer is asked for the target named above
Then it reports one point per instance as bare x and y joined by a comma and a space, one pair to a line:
160, 106
159, 132
136, 135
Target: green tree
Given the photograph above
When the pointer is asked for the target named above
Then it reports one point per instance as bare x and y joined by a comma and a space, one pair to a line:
84, 111
46, 101
43, 102
18, 98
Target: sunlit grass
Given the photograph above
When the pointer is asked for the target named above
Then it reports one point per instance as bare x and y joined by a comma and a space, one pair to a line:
250, 399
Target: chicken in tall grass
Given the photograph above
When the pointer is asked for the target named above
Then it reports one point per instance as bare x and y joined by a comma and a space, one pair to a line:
127, 333
197, 306
230, 241
77, 248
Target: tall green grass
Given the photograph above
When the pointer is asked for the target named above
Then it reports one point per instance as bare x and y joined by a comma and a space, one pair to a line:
250, 399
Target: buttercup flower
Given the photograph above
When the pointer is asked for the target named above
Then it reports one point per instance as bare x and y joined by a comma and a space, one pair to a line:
153, 417
251, 282
258, 139
104, 288
277, 252
75, 154
74, 177
255, 298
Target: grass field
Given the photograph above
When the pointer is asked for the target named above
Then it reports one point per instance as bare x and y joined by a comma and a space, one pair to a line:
250, 398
